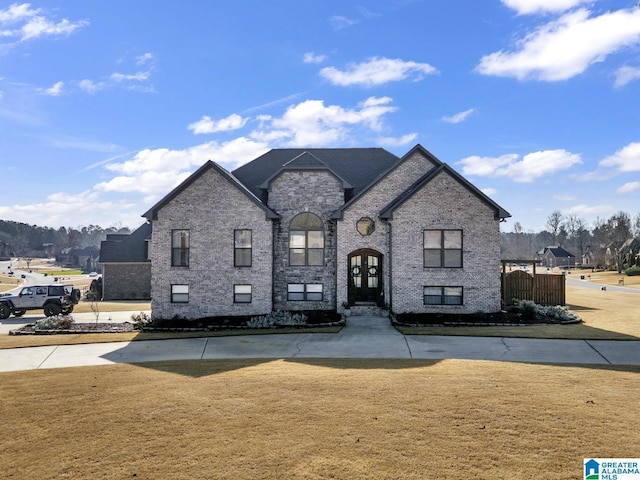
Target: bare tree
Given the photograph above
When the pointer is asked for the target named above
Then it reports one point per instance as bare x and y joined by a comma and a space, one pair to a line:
553, 222
618, 232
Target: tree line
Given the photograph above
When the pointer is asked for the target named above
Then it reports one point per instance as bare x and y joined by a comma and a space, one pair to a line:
21, 239
602, 243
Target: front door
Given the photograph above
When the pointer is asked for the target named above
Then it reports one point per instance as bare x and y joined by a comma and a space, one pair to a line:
365, 277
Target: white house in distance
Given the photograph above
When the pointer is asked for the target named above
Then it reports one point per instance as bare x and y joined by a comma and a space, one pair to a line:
315, 229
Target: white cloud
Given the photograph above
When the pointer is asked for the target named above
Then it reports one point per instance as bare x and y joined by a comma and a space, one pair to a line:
489, 191
338, 22
627, 159
311, 123
629, 187
159, 170
144, 58
138, 81
565, 47
90, 86
626, 74
459, 117
25, 23
66, 209
532, 166
53, 91
207, 125
397, 141
377, 71
525, 7
311, 57
591, 210
136, 77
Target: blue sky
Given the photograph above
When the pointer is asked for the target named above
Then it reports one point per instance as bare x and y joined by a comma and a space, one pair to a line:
106, 105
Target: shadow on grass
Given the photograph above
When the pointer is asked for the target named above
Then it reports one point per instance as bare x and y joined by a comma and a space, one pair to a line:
578, 331
205, 368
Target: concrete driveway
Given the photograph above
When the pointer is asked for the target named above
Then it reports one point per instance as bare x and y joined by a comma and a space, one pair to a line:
363, 337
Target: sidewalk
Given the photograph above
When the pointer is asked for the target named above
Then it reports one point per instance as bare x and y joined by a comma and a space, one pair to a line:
363, 337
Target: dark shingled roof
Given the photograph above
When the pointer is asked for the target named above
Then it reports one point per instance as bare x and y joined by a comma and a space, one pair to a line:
357, 166
557, 252
130, 249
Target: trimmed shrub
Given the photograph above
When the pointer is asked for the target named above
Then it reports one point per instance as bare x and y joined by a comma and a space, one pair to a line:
632, 271
278, 319
57, 322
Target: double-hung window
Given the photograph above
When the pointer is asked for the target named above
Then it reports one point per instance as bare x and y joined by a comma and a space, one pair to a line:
442, 248
442, 295
242, 248
180, 248
179, 293
304, 292
306, 240
242, 294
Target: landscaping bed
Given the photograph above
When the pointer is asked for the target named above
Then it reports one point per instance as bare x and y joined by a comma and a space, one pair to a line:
302, 319
516, 316
75, 328
142, 322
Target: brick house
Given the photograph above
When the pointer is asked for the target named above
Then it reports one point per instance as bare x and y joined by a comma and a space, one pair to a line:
126, 265
313, 229
555, 256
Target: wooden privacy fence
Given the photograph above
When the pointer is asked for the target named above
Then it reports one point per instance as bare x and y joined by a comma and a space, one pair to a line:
542, 289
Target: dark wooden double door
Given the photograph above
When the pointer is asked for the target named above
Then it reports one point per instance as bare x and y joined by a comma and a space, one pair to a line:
365, 277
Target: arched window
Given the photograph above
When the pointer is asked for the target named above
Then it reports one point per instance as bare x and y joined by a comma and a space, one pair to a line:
306, 240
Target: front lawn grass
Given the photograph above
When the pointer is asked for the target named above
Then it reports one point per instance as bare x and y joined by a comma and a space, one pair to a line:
316, 419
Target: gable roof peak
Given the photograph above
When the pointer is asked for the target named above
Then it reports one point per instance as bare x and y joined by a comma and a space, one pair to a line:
305, 160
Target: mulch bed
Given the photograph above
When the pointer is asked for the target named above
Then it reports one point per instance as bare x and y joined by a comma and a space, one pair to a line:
315, 319
502, 318
76, 328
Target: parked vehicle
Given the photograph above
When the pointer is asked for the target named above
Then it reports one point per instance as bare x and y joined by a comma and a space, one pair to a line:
52, 299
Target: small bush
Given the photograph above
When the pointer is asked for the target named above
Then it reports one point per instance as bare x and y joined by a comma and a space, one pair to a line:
632, 271
57, 322
278, 319
140, 320
530, 310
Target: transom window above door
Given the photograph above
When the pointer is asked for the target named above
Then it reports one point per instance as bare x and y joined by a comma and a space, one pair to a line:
306, 240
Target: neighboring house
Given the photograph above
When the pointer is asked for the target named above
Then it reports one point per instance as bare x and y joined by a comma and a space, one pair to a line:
556, 257
313, 229
86, 259
630, 252
126, 266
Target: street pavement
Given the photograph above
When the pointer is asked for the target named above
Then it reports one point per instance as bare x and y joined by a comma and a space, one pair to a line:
362, 337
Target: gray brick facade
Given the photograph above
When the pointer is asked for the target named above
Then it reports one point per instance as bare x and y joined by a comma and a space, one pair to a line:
292, 193
211, 208
403, 197
446, 204
126, 281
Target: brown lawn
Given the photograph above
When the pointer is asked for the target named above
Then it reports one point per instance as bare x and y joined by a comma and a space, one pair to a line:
317, 419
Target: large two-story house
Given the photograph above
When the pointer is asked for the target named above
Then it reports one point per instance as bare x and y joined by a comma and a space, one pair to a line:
317, 229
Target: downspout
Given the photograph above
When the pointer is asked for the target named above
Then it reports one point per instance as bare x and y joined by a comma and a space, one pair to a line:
274, 231
390, 256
